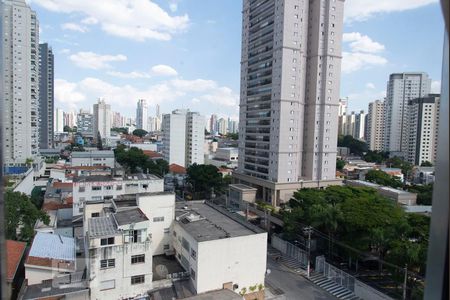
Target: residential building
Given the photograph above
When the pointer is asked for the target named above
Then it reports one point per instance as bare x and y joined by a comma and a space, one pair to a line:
375, 126
15, 254
341, 115
93, 158
209, 240
223, 157
222, 126
290, 80
102, 119
117, 120
360, 126
183, 137
398, 196
213, 124
19, 82
59, 120
423, 175
142, 115
350, 120
423, 123
70, 119
401, 88
85, 123
46, 97
233, 126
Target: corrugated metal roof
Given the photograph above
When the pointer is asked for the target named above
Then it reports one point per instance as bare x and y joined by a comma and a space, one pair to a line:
54, 246
102, 226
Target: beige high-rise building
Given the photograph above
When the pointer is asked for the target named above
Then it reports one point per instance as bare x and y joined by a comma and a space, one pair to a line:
290, 80
102, 119
375, 126
342, 115
19, 81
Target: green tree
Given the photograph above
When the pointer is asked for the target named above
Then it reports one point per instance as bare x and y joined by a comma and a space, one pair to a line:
204, 179
132, 158
158, 167
67, 129
21, 216
380, 177
424, 193
397, 162
340, 164
426, 164
376, 156
356, 146
140, 133
123, 130
233, 136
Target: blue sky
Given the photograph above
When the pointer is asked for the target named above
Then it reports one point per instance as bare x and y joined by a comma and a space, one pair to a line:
186, 53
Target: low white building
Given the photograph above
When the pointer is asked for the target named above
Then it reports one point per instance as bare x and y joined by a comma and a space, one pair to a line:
223, 157
50, 256
93, 158
218, 249
94, 188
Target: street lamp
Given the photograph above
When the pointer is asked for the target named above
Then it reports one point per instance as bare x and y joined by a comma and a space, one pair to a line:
308, 230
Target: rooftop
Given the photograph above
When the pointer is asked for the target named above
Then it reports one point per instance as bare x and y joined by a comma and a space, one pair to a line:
134, 215
216, 295
62, 247
99, 178
205, 223
96, 153
102, 226
48, 291
242, 187
14, 253
177, 169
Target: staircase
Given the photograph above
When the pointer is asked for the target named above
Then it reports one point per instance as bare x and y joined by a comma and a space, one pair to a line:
332, 287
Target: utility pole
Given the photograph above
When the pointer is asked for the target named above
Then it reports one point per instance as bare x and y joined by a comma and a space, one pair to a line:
405, 281
308, 230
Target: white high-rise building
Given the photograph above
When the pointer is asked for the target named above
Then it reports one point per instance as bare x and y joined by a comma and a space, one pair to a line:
70, 119
183, 137
375, 126
102, 119
59, 120
142, 115
19, 81
46, 97
222, 126
342, 115
423, 123
360, 126
290, 80
401, 88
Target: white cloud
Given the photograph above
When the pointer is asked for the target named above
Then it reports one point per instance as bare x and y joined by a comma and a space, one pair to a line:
173, 7
359, 100
164, 70
354, 61
196, 85
370, 85
91, 60
222, 96
89, 21
130, 75
66, 93
361, 10
64, 51
362, 43
74, 27
436, 86
138, 20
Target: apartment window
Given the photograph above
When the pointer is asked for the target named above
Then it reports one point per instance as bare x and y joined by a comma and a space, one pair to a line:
139, 279
107, 263
135, 236
119, 187
166, 247
81, 189
193, 254
138, 259
158, 219
95, 215
96, 188
192, 274
108, 187
107, 241
166, 230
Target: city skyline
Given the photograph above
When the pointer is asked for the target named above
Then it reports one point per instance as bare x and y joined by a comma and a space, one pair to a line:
143, 66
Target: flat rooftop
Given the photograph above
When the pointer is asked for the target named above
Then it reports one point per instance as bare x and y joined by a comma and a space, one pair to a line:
97, 154
205, 223
95, 178
216, 295
134, 215
48, 291
242, 187
102, 226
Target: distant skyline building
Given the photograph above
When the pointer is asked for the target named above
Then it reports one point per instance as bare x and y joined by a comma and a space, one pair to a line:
289, 98
85, 123
19, 82
59, 120
46, 97
222, 126
70, 119
142, 115
423, 119
213, 124
375, 126
102, 119
401, 88
343, 102
183, 137
360, 125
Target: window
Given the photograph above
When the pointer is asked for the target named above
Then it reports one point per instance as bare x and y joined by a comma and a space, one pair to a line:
192, 274
96, 188
185, 244
108, 187
193, 254
107, 263
107, 241
119, 187
166, 230
95, 215
158, 219
138, 259
166, 247
137, 279
135, 236
81, 189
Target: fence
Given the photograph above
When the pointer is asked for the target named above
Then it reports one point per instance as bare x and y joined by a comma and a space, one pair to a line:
347, 281
290, 250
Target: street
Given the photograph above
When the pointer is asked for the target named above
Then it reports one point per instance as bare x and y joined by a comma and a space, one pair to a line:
293, 286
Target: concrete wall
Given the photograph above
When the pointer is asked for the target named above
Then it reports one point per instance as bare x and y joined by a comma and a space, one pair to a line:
27, 183
364, 291
37, 275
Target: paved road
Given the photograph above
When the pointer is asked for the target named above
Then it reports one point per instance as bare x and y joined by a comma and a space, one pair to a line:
293, 286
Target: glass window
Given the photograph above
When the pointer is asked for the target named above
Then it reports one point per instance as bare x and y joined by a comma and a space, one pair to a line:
138, 259
137, 279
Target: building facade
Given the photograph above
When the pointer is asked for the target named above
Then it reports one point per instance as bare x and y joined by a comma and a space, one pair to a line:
19, 83
102, 119
423, 123
375, 126
342, 115
183, 137
142, 115
46, 97
401, 88
59, 120
360, 126
85, 123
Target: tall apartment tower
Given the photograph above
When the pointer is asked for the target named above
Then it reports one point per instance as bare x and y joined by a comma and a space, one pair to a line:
85, 123
423, 129
58, 117
401, 88
375, 126
183, 137
46, 96
142, 115
290, 79
102, 119
342, 115
19, 81
360, 126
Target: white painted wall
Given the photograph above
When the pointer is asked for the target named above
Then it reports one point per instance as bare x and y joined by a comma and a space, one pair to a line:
27, 183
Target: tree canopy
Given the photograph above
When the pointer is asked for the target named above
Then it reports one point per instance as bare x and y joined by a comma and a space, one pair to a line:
424, 193
426, 164
140, 133
356, 146
378, 157
340, 164
123, 130
134, 159
397, 162
203, 179
382, 178
21, 216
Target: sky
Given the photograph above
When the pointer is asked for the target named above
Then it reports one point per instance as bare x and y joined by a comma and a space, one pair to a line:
186, 53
